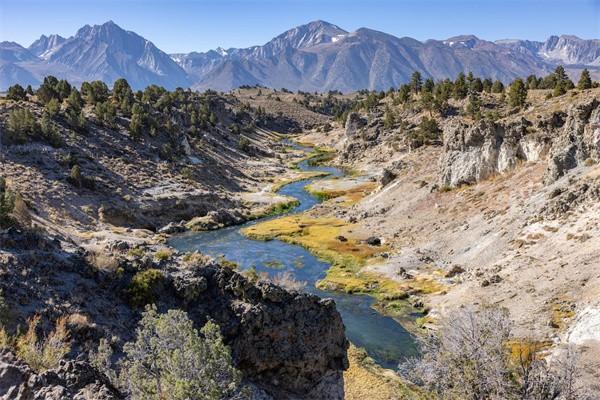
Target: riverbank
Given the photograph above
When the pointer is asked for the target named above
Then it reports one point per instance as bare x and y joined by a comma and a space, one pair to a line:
353, 257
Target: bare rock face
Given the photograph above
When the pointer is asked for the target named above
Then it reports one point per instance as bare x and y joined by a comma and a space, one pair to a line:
71, 380
354, 123
475, 152
577, 141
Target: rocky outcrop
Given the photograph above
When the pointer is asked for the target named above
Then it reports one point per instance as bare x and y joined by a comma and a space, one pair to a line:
475, 152
70, 380
354, 123
291, 344
577, 141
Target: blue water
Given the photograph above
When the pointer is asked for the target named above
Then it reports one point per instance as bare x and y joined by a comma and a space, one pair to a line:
384, 339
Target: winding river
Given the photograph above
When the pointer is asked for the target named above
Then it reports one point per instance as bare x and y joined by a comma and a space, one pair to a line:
384, 339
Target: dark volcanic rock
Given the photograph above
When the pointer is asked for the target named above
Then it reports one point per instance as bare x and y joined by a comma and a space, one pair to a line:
291, 344
70, 380
373, 241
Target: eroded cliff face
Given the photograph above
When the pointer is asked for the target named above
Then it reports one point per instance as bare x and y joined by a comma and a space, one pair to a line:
473, 152
577, 141
290, 344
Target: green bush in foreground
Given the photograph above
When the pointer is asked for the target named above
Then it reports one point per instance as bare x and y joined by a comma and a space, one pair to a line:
170, 360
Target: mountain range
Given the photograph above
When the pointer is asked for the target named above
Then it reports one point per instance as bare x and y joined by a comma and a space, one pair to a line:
318, 56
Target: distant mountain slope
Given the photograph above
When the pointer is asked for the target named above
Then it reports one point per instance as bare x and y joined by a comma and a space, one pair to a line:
100, 52
321, 56
318, 56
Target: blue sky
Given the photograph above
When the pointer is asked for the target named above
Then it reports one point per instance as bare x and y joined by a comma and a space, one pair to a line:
199, 25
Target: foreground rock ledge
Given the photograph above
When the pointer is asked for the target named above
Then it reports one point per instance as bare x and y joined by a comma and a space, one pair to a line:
290, 344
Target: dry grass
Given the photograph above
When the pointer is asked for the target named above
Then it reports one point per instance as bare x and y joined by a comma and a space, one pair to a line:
286, 280
366, 380
163, 254
102, 261
349, 196
43, 354
300, 176
346, 274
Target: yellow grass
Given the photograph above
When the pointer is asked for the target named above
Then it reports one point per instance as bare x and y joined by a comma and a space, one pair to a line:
366, 380
347, 258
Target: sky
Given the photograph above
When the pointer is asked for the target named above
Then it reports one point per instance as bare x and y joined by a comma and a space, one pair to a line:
199, 25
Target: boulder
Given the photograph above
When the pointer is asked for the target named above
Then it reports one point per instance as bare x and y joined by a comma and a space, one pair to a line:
373, 241
354, 123
172, 227
70, 380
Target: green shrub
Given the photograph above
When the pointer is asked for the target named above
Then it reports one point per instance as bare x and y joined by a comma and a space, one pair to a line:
171, 360
4, 310
428, 132
244, 143
22, 126
7, 205
137, 252
76, 178
106, 113
50, 132
143, 287
53, 107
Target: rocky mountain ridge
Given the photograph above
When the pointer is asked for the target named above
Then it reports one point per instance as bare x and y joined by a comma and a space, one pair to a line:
317, 56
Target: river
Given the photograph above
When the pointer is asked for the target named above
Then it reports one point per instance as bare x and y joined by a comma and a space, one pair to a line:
384, 339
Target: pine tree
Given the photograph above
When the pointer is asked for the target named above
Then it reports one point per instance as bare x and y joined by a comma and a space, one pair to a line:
404, 94
474, 105
429, 85
497, 87
476, 85
585, 81
428, 101
389, 119
517, 93
53, 107
47, 90
416, 82
487, 85
562, 82
16, 93
460, 87
123, 95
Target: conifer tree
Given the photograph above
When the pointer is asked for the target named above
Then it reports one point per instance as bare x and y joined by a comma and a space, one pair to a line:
517, 93
585, 81
416, 82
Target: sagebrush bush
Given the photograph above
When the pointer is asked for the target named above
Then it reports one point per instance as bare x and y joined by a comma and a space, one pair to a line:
171, 360
473, 356
143, 287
